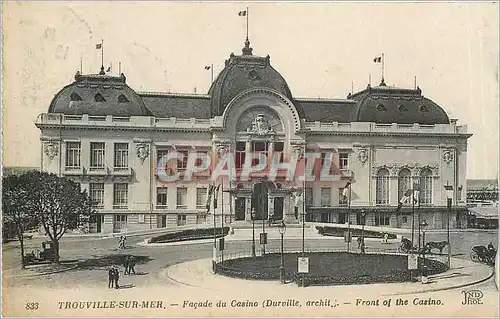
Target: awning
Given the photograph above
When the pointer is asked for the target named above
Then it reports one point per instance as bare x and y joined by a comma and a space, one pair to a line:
485, 212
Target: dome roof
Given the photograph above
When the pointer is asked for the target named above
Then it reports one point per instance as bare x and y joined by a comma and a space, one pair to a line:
98, 95
243, 72
388, 104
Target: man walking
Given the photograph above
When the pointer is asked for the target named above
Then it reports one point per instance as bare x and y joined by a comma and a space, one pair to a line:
131, 264
116, 276
126, 264
111, 277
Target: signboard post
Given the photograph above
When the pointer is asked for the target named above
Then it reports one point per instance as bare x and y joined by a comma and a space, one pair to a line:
303, 265
412, 261
263, 238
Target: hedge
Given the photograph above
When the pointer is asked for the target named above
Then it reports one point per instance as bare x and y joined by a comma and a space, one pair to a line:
190, 234
355, 232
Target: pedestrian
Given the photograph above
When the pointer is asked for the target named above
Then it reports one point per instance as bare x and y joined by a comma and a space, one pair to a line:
111, 277
386, 236
124, 239
120, 242
359, 242
131, 265
116, 276
126, 264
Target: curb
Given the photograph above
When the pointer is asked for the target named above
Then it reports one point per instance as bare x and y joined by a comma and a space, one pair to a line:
48, 273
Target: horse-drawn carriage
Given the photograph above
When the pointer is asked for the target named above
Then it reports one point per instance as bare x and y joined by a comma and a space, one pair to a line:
481, 254
407, 247
45, 255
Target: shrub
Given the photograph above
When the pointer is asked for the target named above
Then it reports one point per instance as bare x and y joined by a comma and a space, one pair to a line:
339, 232
190, 234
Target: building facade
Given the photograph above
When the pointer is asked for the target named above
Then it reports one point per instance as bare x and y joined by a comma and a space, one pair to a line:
383, 140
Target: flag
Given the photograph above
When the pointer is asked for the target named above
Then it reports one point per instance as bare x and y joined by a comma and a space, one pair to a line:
98, 46
377, 59
345, 192
207, 67
216, 196
242, 13
209, 197
109, 69
404, 199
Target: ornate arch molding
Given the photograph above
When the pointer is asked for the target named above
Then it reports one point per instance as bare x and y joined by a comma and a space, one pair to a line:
292, 115
415, 169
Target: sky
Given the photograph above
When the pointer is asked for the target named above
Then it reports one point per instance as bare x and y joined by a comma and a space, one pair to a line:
321, 49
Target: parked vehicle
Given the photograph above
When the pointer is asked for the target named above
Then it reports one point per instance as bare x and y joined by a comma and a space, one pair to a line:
483, 255
45, 255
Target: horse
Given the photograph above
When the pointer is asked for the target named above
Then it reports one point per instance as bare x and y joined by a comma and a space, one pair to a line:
436, 245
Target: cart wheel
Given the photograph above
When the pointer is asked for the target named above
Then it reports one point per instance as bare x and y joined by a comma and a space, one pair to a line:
474, 257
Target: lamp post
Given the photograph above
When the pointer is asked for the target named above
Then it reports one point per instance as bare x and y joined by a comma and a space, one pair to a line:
363, 214
282, 230
449, 197
253, 232
423, 225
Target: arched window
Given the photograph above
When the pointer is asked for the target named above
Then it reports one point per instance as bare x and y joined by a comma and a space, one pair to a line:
75, 97
99, 98
122, 99
404, 182
426, 187
382, 187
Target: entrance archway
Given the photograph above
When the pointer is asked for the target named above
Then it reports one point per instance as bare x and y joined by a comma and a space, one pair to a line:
239, 208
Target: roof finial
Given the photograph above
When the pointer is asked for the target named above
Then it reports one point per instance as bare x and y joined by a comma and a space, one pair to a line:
382, 83
102, 71
247, 50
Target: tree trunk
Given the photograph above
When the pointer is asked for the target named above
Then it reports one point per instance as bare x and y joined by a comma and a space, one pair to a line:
23, 262
56, 251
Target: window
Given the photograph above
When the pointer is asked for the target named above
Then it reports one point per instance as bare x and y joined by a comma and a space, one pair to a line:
121, 155
96, 155
75, 97
240, 154
381, 108
201, 155
424, 108
201, 197
142, 218
309, 196
279, 147
426, 187
405, 219
122, 99
73, 154
96, 192
343, 160
120, 195
99, 98
382, 219
182, 198
326, 197
260, 147
382, 187
404, 182
182, 162
342, 200
181, 220
161, 196
201, 219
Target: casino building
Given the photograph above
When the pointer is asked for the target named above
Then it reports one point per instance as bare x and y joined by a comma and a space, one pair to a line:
100, 132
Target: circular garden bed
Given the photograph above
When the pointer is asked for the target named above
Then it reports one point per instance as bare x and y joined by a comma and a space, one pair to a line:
190, 234
340, 268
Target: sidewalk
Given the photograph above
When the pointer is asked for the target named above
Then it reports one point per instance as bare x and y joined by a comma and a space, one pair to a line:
198, 273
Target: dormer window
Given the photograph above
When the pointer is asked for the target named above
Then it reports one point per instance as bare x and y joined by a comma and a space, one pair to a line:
424, 108
99, 98
122, 99
381, 108
402, 108
75, 97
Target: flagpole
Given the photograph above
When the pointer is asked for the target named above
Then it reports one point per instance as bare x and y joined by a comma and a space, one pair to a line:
413, 220
212, 73
81, 65
222, 217
248, 13
383, 66
102, 53
119, 68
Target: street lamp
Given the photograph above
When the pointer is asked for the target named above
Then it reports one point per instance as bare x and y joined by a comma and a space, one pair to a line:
253, 232
423, 225
363, 214
282, 230
449, 197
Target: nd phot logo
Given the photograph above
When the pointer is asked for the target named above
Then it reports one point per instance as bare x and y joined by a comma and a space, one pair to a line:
472, 297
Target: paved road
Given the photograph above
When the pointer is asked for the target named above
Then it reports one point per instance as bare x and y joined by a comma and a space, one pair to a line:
162, 257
